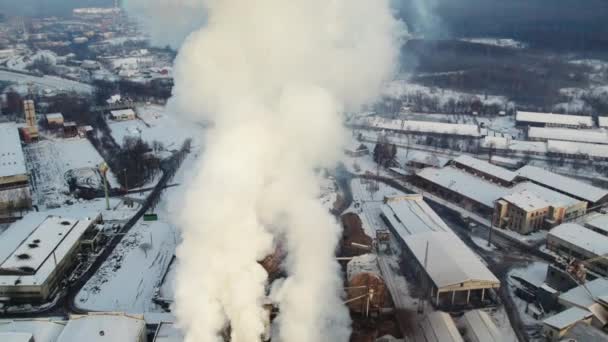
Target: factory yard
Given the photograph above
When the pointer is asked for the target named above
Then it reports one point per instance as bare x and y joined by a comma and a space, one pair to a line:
127, 280
48, 162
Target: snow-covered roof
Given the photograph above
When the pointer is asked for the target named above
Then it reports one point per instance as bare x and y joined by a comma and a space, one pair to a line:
603, 121
567, 318
16, 337
572, 147
54, 116
579, 296
598, 222
43, 330
29, 248
465, 184
563, 184
502, 143
449, 261
12, 161
596, 136
527, 200
104, 327
482, 327
419, 126
504, 160
438, 327
553, 198
366, 263
168, 332
411, 215
487, 168
554, 119
584, 238
122, 112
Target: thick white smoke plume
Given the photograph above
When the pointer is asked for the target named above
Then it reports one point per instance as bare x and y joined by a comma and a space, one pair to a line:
274, 76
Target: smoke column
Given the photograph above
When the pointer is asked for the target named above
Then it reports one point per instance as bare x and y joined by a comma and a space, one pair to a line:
275, 77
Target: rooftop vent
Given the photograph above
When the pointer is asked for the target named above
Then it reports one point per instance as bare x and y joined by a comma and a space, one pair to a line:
24, 256
27, 269
32, 245
65, 223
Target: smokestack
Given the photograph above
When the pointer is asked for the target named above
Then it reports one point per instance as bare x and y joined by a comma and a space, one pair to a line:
274, 77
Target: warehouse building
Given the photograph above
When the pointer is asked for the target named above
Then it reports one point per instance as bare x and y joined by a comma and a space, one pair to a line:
463, 188
590, 136
571, 240
104, 327
481, 328
437, 327
37, 251
565, 185
598, 223
14, 180
552, 120
455, 276
485, 170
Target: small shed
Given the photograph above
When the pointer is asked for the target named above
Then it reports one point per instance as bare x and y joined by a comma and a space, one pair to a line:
54, 119
70, 129
123, 115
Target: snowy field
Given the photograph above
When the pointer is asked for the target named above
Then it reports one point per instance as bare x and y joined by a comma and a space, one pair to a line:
127, 279
154, 123
49, 160
167, 289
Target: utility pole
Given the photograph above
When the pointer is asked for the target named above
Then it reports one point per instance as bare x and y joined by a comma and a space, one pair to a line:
103, 168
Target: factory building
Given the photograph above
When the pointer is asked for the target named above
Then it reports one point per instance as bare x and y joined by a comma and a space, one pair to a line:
28, 330
14, 180
598, 223
556, 326
54, 119
571, 240
437, 327
485, 170
104, 327
481, 328
531, 207
552, 120
565, 185
454, 276
37, 252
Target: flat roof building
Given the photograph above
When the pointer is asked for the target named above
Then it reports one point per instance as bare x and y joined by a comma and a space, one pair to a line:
14, 179
565, 185
573, 240
104, 327
37, 330
456, 274
419, 127
123, 114
54, 119
553, 120
556, 326
36, 251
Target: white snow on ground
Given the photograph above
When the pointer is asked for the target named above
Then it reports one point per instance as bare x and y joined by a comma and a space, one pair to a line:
329, 192
483, 243
46, 82
127, 280
400, 88
167, 289
155, 123
49, 160
501, 42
